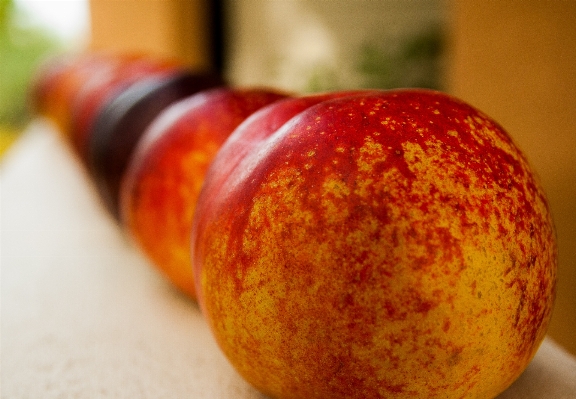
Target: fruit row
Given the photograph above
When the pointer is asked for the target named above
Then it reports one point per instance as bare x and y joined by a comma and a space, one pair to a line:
104, 103
350, 244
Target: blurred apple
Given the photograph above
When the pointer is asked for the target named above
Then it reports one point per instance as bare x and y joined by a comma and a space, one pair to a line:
58, 80
163, 179
379, 245
121, 72
119, 125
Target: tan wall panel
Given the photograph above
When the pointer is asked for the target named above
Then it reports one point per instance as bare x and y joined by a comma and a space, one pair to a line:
168, 28
516, 60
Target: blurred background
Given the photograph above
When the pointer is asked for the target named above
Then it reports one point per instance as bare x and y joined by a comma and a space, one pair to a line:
515, 60
30, 31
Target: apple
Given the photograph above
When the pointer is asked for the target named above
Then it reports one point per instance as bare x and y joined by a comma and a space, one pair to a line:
391, 244
163, 178
258, 127
58, 80
120, 123
121, 72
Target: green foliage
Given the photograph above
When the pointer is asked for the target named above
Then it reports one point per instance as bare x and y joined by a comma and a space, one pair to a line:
415, 63
322, 78
21, 49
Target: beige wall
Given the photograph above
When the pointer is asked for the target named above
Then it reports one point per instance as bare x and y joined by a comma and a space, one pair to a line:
169, 28
516, 60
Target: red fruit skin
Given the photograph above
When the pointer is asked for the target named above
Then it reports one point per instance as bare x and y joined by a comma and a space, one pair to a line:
122, 122
102, 87
253, 132
161, 185
58, 81
393, 244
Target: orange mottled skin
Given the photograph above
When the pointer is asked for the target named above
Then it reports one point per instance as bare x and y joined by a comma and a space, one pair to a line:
384, 245
161, 186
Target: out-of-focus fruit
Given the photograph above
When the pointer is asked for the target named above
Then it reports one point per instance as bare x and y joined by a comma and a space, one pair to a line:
57, 82
119, 125
102, 87
164, 177
384, 245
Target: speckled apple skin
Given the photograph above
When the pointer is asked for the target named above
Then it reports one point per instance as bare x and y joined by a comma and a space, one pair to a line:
392, 245
161, 185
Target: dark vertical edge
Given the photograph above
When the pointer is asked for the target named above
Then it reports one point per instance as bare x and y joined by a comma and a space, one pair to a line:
218, 34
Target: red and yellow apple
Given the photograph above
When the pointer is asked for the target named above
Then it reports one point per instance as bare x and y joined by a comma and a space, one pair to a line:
163, 179
391, 244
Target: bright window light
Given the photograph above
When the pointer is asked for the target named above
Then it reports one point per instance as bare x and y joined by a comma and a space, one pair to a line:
67, 19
